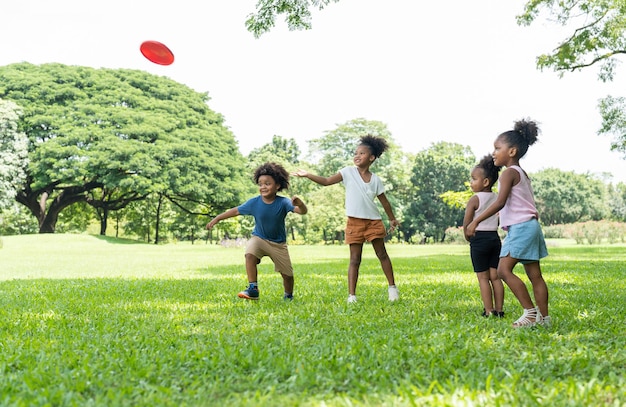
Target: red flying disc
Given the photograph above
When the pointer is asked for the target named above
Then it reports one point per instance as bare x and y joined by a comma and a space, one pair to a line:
157, 52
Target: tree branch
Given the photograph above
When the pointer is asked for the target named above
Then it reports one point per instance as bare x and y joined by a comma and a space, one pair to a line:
595, 60
173, 200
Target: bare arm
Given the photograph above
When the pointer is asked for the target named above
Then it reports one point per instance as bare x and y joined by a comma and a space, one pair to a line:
325, 181
470, 210
224, 215
300, 207
387, 207
508, 178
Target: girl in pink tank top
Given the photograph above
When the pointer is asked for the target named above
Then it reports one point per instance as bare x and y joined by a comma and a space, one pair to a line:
524, 242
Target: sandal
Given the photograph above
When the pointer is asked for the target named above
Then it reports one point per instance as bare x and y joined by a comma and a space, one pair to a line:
546, 321
528, 319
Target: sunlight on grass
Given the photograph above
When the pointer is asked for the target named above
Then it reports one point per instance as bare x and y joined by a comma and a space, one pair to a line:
92, 322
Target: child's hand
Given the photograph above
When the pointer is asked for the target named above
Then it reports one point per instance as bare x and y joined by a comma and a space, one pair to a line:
210, 225
470, 230
393, 225
300, 173
295, 201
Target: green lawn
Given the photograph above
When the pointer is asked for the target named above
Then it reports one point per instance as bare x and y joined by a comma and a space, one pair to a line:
96, 321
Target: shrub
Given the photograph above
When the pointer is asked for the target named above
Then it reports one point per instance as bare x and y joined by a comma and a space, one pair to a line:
455, 235
554, 231
595, 232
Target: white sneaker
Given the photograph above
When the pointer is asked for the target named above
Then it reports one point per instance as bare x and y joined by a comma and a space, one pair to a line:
394, 295
351, 299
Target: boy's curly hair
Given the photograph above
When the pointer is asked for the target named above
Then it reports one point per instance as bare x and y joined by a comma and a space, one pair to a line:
490, 170
276, 171
377, 145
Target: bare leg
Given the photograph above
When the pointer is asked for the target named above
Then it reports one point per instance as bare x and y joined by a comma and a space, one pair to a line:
356, 251
485, 290
251, 267
517, 286
385, 261
498, 289
540, 288
288, 283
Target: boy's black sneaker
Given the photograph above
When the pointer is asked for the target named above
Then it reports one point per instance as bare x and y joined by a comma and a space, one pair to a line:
250, 293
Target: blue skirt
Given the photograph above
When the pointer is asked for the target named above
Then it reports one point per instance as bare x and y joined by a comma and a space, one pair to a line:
525, 242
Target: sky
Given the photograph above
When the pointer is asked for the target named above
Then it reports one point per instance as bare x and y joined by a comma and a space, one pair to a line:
449, 70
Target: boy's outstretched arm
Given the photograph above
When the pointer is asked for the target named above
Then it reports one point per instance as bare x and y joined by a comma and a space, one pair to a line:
325, 181
300, 207
224, 215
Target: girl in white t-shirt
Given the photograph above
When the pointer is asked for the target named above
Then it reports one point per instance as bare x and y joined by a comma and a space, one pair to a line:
364, 220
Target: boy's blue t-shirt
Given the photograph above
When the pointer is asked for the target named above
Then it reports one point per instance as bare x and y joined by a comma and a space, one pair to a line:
269, 219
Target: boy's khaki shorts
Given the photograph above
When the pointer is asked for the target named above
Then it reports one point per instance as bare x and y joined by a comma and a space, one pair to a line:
364, 230
276, 251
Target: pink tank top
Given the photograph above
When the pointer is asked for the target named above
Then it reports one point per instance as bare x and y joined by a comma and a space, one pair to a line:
485, 199
520, 205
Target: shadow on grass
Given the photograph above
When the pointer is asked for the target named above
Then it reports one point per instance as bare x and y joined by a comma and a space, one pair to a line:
118, 240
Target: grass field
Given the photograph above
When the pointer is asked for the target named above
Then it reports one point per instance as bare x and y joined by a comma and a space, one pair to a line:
91, 321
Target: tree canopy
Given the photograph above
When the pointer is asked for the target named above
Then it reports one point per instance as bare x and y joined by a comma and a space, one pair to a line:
441, 168
109, 137
13, 153
566, 197
597, 39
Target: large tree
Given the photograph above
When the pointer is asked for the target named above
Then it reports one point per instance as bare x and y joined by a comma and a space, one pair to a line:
13, 153
439, 169
617, 201
109, 137
567, 197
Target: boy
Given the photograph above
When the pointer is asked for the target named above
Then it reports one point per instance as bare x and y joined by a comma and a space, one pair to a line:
269, 237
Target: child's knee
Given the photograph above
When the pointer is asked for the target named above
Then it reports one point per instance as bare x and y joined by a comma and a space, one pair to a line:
355, 261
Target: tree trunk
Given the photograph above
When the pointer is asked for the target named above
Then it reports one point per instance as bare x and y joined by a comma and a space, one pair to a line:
103, 221
48, 225
47, 215
62, 201
158, 220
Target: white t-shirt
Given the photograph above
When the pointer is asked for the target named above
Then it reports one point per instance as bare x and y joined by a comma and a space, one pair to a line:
360, 195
